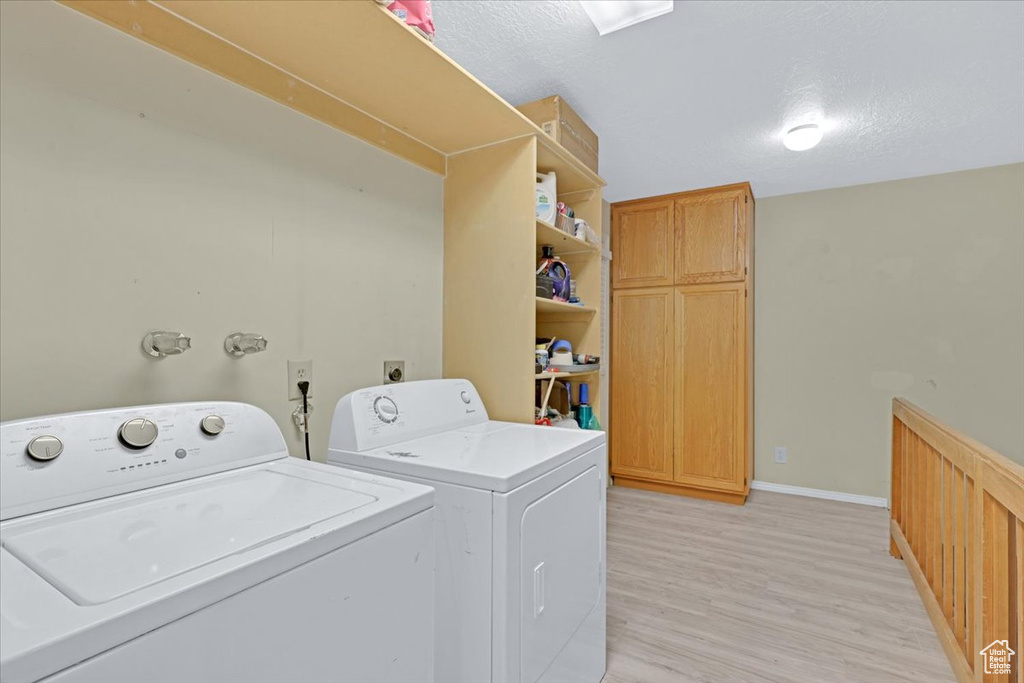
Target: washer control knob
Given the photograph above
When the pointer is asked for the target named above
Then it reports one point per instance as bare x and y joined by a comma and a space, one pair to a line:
212, 425
137, 433
465, 397
386, 409
44, 448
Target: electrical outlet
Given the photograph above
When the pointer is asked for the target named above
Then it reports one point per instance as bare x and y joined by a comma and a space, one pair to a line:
781, 455
299, 371
394, 371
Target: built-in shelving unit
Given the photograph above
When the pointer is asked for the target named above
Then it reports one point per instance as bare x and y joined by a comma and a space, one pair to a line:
344, 63
581, 325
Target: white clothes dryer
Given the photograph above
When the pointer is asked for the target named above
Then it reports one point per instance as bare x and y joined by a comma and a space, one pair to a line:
520, 527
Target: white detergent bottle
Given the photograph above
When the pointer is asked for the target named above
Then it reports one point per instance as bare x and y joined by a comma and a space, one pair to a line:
547, 197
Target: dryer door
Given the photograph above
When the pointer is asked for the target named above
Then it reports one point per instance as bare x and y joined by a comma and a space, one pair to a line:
560, 569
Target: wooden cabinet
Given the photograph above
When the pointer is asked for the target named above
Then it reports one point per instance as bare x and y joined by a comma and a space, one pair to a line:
709, 386
641, 389
642, 245
710, 237
691, 238
682, 354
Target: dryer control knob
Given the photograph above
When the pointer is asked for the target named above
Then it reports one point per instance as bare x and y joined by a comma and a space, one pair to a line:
137, 433
212, 425
465, 397
386, 409
44, 448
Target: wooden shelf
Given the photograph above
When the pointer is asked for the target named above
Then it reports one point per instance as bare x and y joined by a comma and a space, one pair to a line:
560, 307
563, 242
350, 64
566, 375
573, 176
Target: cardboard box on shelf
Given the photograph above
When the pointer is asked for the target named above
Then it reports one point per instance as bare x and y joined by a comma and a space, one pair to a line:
559, 121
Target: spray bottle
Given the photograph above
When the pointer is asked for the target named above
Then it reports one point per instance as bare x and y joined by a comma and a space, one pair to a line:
584, 413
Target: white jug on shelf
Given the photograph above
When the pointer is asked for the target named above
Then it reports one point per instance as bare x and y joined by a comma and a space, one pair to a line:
547, 197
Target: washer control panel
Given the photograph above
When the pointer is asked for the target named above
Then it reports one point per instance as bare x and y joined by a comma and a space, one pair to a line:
54, 461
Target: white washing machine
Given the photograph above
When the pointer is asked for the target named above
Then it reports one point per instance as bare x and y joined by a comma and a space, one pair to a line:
181, 543
520, 535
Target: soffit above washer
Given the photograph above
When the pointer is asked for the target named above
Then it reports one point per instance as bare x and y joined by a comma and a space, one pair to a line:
701, 96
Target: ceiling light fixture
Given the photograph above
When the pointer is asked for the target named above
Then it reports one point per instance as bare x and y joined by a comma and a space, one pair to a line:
802, 137
612, 15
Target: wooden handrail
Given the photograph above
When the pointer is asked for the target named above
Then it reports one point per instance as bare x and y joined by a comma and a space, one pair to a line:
956, 520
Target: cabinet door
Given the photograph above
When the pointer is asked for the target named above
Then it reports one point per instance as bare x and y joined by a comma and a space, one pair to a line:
641, 383
710, 238
642, 244
710, 394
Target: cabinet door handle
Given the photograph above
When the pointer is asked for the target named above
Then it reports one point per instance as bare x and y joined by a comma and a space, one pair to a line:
538, 590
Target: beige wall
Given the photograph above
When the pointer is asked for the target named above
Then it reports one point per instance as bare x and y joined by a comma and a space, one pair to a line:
909, 288
140, 192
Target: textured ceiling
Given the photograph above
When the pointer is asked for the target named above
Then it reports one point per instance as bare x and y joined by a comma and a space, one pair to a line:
701, 96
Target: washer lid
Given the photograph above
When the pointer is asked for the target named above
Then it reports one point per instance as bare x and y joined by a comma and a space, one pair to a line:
101, 554
496, 456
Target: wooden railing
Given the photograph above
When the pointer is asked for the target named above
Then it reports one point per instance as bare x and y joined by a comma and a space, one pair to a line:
957, 510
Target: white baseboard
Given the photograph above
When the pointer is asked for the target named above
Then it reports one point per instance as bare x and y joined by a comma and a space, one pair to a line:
820, 493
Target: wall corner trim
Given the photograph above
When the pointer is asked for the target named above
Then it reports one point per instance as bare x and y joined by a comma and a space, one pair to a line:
820, 493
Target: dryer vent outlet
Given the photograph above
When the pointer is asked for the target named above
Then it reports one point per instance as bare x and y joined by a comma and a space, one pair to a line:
394, 371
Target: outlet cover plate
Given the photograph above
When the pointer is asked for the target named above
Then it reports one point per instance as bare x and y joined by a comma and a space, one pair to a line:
299, 370
781, 455
394, 371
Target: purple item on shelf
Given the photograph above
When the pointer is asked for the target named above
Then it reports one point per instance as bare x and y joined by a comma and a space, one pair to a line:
558, 271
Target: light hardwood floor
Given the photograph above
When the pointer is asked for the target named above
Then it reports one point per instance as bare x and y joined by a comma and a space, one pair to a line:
783, 589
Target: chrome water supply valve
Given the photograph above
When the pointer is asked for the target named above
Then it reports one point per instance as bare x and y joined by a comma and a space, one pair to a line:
244, 343
160, 344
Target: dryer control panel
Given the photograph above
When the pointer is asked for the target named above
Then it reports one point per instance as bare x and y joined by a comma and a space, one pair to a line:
378, 416
50, 462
